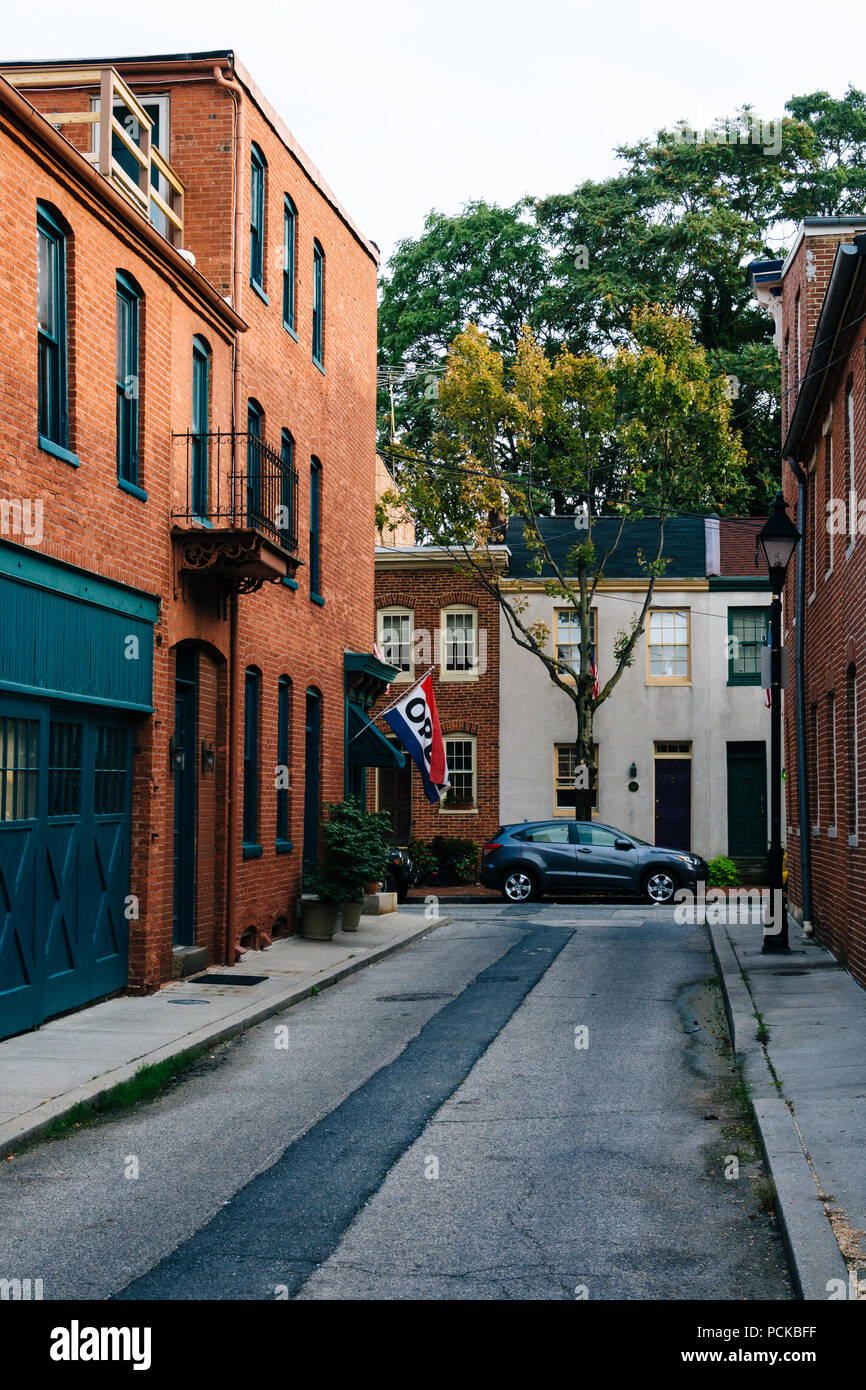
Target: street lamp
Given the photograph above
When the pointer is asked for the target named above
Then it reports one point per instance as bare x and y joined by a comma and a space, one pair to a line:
778, 538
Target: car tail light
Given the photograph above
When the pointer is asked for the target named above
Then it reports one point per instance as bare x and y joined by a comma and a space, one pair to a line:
490, 847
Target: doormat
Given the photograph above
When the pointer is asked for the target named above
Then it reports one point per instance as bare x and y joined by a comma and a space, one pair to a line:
228, 979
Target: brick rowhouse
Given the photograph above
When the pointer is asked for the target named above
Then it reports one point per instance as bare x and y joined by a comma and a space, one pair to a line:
818, 299
212, 626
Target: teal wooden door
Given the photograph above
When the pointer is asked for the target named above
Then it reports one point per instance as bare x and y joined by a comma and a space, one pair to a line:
65, 775
747, 800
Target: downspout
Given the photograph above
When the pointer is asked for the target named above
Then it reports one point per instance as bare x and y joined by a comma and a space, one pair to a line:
233, 685
800, 703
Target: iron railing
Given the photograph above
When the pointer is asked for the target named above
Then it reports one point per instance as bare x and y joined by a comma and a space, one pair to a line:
237, 480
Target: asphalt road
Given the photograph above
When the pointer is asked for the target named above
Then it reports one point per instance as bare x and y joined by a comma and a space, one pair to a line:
525, 1103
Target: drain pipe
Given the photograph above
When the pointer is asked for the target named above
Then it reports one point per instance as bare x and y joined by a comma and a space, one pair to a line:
800, 703
233, 686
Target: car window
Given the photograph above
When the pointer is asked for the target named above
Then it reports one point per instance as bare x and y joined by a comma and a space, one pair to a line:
547, 834
599, 835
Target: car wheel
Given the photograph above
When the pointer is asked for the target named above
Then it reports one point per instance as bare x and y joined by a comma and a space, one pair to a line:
390, 884
519, 886
659, 886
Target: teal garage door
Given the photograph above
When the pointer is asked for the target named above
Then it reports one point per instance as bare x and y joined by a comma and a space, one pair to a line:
65, 776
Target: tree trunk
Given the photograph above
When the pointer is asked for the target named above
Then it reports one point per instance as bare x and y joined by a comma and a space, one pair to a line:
584, 754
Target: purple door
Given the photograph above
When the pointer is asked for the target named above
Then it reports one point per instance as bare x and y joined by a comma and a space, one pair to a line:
673, 803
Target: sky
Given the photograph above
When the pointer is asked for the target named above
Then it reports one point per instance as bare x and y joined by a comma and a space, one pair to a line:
408, 105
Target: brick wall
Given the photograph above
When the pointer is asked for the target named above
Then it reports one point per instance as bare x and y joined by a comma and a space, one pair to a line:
470, 707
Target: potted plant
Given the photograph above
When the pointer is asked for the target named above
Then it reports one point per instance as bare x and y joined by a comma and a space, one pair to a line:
356, 852
319, 913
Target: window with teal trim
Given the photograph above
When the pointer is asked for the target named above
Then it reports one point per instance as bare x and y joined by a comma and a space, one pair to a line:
290, 230
748, 634
284, 715
257, 218
318, 304
315, 528
252, 690
255, 421
53, 391
128, 317
288, 492
200, 442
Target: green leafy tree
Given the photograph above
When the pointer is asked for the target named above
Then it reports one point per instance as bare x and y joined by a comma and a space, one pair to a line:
642, 431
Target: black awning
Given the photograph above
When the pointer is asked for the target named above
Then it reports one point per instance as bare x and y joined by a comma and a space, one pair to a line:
367, 747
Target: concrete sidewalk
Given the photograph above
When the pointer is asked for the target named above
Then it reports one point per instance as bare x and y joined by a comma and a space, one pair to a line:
808, 1085
82, 1057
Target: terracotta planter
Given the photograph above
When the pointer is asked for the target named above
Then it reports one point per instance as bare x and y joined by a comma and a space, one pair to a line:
318, 919
351, 916
370, 888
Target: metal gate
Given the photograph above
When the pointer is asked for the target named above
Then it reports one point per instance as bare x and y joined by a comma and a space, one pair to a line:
65, 774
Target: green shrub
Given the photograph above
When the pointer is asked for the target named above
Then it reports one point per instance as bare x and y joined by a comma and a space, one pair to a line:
357, 846
445, 860
722, 873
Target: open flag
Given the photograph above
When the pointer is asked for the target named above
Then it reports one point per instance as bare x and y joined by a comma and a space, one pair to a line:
416, 723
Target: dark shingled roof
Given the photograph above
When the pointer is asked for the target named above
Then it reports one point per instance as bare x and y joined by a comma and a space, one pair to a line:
737, 536
684, 546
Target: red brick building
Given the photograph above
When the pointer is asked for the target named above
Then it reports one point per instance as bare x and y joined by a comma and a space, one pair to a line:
818, 300
186, 522
429, 614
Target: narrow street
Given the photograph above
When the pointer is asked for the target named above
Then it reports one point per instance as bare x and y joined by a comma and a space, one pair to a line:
526, 1103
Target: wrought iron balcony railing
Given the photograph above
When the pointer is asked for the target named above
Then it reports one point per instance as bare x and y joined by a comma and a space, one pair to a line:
237, 481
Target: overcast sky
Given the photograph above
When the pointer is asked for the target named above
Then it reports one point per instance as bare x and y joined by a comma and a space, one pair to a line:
410, 104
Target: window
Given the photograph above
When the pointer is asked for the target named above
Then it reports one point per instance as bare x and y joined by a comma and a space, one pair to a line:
257, 218
110, 770
815, 787
565, 767
460, 757
287, 520
252, 685
318, 305
799, 364
828, 495
51, 327
546, 835
290, 233
127, 363
315, 529
255, 423
598, 835
853, 753
831, 757
668, 646
284, 710
568, 636
19, 768
851, 499
748, 630
199, 444
64, 769
395, 640
459, 638
813, 505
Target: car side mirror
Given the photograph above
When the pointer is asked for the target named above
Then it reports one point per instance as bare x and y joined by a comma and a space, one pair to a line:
623, 844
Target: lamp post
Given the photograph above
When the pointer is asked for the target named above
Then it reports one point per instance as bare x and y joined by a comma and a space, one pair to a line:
778, 539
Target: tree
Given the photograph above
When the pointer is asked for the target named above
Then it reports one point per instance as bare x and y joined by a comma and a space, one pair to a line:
674, 227
643, 431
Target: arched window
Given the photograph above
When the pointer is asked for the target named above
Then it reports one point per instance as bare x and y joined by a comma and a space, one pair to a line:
258, 165
318, 305
287, 522
852, 721
200, 442
128, 375
53, 388
316, 530
252, 700
290, 238
284, 763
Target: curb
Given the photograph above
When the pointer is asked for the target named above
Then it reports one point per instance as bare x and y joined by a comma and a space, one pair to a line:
813, 1253
14, 1134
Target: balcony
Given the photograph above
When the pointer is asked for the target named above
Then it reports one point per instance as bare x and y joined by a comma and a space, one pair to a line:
239, 522
122, 146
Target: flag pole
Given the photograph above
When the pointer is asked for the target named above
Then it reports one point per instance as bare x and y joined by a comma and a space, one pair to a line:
402, 696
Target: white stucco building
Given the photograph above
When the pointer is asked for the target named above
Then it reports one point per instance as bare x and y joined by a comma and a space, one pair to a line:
682, 743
